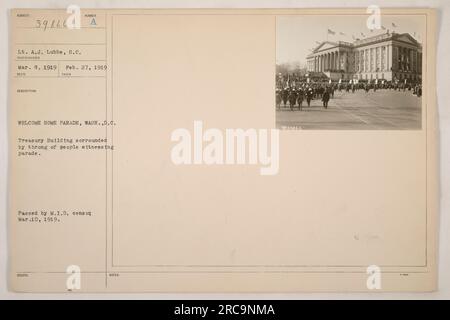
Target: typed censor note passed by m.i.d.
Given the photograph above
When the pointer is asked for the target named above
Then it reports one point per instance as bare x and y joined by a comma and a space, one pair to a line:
225, 150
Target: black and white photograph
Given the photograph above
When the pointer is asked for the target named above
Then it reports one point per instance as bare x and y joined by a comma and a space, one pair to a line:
337, 73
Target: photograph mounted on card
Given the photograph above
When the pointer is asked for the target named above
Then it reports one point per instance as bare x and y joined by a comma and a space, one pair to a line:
222, 150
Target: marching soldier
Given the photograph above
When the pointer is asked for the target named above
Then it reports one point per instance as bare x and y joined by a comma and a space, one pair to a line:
309, 95
292, 99
278, 98
284, 96
326, 97
320, 91
300, 97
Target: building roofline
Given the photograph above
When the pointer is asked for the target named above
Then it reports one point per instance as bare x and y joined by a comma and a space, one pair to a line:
363, 42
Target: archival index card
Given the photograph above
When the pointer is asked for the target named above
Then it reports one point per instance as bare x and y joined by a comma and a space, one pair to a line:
222, 150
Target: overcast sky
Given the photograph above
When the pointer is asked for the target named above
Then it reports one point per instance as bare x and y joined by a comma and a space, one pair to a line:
296, 35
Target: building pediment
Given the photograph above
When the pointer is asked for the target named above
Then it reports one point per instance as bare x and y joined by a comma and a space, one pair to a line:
325, 45
407, 38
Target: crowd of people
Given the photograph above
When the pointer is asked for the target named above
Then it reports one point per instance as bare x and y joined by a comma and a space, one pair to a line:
294, 93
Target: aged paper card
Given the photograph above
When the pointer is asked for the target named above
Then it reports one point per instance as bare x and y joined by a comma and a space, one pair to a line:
222, 150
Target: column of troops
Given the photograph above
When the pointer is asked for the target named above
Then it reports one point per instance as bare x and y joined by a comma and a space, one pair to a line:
291, 92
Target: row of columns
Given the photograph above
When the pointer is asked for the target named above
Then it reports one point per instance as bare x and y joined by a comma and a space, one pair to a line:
382, 58
374, 59
409, 59
326, 61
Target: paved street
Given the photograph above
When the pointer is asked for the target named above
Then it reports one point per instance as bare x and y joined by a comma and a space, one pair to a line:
384, 109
